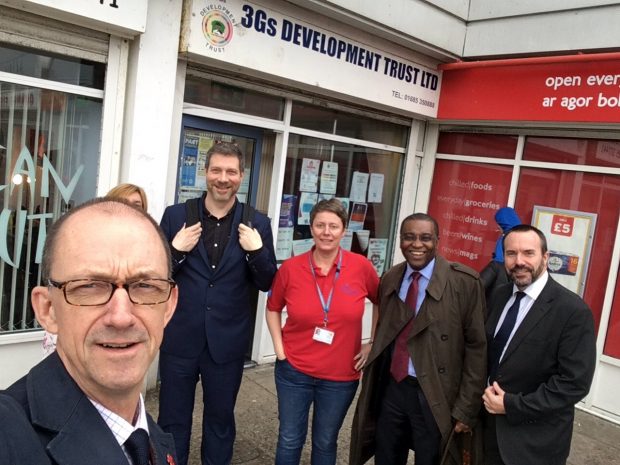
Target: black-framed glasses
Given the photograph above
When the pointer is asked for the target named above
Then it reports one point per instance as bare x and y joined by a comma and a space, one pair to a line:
412, 237
93, 292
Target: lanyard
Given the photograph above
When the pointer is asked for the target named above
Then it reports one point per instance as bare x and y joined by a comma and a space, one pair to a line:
324, 304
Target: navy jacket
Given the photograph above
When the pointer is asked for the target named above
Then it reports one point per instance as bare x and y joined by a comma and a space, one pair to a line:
214, 306
46, 419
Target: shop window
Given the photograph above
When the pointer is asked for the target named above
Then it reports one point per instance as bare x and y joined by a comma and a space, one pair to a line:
578, 194
215, 94
365, 179
47, 65
464, 199
594, 152
344, 124
49, 157
480, 145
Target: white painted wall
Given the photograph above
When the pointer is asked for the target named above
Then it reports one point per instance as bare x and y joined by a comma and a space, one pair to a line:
149, 109
18, 353
534, 32
119, 17
436, 28
448, 29
492, 9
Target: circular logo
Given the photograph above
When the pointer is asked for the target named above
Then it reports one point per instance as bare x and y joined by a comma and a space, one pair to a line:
554, 263
217, 28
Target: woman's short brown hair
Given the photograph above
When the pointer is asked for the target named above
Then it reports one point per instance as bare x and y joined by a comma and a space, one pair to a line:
332, 206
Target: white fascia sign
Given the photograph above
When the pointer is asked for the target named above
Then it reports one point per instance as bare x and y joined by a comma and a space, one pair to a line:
306, 49
122, 17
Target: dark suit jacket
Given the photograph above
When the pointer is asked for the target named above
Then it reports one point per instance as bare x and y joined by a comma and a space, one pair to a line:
547, 368
49, 420
214, 305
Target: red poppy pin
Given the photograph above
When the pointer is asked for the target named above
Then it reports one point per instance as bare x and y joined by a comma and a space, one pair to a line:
170, 459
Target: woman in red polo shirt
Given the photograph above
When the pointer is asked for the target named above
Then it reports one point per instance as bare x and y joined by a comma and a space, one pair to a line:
319, 351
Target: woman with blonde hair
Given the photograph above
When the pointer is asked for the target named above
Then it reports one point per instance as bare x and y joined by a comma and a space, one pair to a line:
133, 194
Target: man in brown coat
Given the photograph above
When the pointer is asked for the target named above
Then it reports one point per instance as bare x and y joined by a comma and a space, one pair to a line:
421, 386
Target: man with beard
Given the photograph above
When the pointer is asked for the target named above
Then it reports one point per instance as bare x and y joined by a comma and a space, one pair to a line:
541, 355
215, 263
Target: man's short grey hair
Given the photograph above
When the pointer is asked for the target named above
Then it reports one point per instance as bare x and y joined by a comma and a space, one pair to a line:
102, 204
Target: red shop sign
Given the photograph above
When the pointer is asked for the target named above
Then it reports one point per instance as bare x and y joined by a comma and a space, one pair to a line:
586, 89
562, 225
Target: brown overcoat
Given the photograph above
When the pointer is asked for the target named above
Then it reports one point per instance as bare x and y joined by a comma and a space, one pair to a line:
447, 345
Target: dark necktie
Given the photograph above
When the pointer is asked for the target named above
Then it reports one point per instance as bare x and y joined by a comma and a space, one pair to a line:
138, 447
499, 341
399, 367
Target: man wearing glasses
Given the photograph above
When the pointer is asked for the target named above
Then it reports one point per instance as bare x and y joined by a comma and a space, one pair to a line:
108, 295
426, 370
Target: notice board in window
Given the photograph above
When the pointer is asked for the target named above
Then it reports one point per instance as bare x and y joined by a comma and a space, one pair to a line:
569, 236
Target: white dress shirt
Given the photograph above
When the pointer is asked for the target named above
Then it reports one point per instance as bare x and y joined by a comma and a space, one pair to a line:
121, 428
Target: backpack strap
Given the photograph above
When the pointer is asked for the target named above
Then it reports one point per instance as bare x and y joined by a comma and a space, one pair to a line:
247, 214
192, 207
192, 215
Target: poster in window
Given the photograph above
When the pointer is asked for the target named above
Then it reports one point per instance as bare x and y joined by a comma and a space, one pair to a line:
244, 187
359, 186
329, 177
377, 252
302, 246
307, 200
358, 216
284, 244
345, 203
205, 144
309, 179
190, 160
569, 236
375, 188
287, 211
347, 240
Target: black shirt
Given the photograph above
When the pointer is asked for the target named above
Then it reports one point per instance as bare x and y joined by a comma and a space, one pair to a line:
216, 233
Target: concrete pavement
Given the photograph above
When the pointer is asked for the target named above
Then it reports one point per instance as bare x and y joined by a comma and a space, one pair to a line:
595, 441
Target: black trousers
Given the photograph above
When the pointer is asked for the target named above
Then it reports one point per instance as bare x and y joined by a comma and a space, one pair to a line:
492, 455
406, 420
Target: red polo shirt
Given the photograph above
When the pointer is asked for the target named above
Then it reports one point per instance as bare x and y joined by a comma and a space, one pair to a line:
294, 288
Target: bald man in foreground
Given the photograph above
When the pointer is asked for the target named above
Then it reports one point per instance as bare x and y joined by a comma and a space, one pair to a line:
106, 292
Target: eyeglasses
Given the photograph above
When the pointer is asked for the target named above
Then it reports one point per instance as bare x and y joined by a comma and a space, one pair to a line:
412, 237
93, 292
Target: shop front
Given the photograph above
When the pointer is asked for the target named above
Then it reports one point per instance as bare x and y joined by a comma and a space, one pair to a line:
59, 69
539, 135
322, 110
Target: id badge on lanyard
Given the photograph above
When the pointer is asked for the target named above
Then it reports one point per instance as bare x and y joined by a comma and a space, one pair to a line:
322, 334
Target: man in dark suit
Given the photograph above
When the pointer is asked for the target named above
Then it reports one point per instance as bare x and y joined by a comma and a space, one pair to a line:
216, 262
107, 295
541, 358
